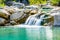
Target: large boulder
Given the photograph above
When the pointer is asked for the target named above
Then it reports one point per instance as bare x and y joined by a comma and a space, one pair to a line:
2, 21
31, 10
18, 5
9, 3
4, 13
11, 10
49, 20
17, 16
56, 13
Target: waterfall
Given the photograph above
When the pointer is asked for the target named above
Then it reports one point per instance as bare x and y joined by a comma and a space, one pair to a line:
38, 22
34, 20
30, 20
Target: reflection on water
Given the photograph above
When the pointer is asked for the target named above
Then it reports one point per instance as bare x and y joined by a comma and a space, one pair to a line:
49, 33
41, 33
33, 34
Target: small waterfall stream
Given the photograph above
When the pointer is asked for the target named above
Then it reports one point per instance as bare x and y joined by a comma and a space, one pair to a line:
34, 20
38, 22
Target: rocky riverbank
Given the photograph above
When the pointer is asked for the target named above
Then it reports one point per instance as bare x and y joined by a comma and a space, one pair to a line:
13, 15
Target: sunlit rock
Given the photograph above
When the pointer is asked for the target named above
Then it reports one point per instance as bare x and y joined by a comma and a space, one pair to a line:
9, 9
17, 16
32, 7
4, 13
31, 10
56, 13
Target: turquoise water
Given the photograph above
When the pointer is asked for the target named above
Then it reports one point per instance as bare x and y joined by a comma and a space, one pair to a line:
11, 33
47, 10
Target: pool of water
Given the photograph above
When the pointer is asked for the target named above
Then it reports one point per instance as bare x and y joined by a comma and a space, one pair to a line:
41, 33
46, 9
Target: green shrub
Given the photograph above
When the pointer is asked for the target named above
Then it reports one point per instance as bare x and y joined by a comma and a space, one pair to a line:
37, 1
53, 2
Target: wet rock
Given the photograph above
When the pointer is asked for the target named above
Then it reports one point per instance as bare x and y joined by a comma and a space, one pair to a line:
49, 20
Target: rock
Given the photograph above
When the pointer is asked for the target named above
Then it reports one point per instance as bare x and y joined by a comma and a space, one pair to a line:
11, 10
27, 11
18, 5
49, 20
17, 16
56, 13
13, 23
2, 21
31, 10
9, 3
4, 13
32, 7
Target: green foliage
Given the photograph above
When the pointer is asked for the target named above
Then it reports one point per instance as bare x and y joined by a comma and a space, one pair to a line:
37, 1
53, 2
2, 3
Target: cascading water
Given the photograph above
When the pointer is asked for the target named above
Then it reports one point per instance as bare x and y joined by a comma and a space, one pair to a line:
38, 22
34, 20
30, 20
